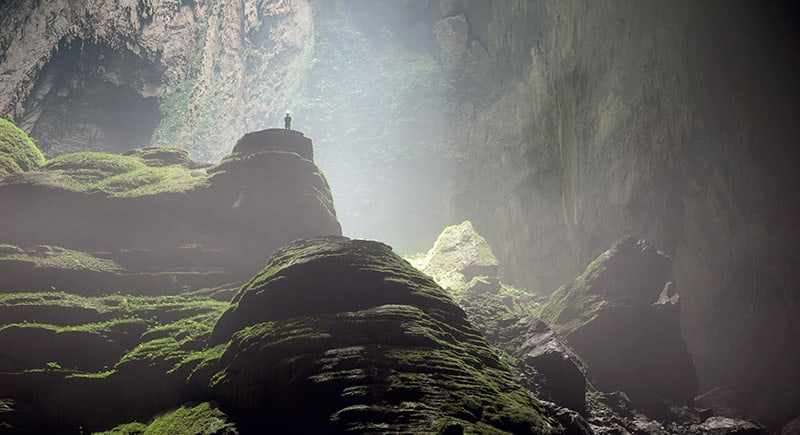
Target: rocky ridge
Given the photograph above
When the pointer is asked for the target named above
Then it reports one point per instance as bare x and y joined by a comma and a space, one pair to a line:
153, 219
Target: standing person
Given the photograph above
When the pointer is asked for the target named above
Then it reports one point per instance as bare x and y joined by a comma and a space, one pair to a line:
288, 121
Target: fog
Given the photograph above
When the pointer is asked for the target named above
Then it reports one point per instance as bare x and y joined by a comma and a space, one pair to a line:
376, 104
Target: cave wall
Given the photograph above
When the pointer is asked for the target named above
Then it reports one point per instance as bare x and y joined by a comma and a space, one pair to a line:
214, 68
670, 120
556, 127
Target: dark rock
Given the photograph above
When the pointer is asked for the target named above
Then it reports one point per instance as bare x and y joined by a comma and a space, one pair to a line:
629, 336
792, 427
559, 374
275, 139
727, 426
34, 347
722, 402
373, 343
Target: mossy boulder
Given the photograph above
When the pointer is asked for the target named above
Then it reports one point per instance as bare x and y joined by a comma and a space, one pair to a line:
375, 345
18, 153
459, 258
622, 317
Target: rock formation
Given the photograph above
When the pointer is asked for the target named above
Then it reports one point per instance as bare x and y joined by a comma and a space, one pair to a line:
622, 318
334, 335
667, 120
152, 218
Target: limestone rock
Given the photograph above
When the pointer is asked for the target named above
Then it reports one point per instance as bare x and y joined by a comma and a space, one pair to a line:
375, 345
458, 256
628, 336
162, 220
174, 73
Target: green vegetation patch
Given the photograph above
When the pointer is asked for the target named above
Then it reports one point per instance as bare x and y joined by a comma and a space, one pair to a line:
149, 171
163, 156
18, 153
189, 419
57, 257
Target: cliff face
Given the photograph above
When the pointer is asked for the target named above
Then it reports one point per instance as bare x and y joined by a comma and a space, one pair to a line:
109, 76
670, 121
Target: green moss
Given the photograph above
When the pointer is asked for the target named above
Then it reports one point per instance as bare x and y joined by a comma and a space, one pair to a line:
203, 418
177, 344
162, 156
144, 172
572, 305
18, 153
59, 258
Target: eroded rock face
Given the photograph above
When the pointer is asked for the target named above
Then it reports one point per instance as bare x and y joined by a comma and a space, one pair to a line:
111, 76
629, 336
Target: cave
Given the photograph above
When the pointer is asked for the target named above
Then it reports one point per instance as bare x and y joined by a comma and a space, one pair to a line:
90, 96
481, 204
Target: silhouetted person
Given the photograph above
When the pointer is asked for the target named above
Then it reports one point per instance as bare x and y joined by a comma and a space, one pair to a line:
288, 121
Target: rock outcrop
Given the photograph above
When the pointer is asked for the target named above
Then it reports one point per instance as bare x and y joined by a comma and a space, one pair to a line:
622, 317
334, 335
351, 327
154, 219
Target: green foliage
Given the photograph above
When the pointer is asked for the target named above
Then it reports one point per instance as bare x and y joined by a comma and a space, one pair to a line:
200, 419
52, 365
18, 153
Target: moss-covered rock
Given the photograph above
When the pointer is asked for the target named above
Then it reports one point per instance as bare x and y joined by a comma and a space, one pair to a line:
622, 318
190, 419
458, 256
374, 344
161, 216
74, 361
18, 153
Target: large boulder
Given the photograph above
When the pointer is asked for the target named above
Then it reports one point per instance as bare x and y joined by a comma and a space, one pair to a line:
622, 317
342, 335
459, 259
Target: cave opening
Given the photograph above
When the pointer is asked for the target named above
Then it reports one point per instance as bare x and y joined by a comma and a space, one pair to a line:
91, 96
